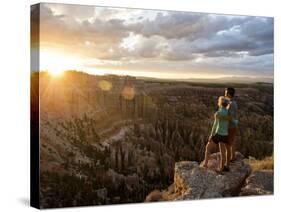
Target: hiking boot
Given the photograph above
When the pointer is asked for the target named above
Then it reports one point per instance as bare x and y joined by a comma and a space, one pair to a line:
218, 171
233, 160
225, 169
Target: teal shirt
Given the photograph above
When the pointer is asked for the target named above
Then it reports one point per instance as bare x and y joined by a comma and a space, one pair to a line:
220, 126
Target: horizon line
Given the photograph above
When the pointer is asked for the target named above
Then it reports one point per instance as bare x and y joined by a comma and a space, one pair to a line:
166, 78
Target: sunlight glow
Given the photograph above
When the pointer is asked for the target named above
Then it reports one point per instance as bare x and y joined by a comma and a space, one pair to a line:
57, 62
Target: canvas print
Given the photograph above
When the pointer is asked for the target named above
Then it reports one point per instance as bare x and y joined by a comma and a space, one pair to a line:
137, 105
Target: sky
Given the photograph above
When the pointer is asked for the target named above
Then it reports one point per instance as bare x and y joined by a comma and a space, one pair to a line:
151, 43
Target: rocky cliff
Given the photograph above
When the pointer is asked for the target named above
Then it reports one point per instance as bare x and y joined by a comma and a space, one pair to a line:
258, 183
191, 181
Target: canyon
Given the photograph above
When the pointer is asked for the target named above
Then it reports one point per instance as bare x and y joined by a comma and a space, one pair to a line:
115, 139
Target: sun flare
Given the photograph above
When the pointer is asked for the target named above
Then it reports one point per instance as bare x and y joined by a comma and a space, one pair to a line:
55, 73
57, 62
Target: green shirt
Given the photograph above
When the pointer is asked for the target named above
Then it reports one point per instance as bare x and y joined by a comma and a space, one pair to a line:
220, 126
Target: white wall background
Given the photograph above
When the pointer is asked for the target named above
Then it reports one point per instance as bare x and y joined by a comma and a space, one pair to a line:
14, 103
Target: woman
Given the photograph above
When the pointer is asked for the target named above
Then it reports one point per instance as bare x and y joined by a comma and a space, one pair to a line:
219, 134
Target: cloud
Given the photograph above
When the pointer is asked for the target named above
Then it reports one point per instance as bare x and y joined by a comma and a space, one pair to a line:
90, 38
212, 34
78, 12
177, 25
116, 34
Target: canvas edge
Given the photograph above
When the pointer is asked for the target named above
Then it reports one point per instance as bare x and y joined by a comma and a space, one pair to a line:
34, 108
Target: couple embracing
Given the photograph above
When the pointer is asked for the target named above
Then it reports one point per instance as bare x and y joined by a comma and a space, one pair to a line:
224, 130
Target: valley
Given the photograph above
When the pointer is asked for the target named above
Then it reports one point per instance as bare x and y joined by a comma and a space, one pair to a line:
114, 139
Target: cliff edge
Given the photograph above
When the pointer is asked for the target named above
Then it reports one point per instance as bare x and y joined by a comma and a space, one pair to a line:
194, 182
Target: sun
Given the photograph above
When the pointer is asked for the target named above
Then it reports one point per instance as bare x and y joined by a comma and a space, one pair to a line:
56, 72
56, 62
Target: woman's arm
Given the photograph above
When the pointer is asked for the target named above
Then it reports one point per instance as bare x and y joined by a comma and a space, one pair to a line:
215, 124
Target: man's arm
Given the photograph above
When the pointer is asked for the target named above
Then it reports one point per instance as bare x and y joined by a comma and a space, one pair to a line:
223, 117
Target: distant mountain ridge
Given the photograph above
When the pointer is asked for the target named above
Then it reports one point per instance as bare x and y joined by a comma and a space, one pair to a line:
230, 79
218, 80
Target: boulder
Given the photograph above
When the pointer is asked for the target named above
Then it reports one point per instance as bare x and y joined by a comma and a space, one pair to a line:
258, 183
191, 181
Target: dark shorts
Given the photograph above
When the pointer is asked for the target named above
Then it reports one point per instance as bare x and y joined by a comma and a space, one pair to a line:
220, 138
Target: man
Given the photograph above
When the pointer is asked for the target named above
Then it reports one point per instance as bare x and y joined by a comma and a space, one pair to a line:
233, 123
